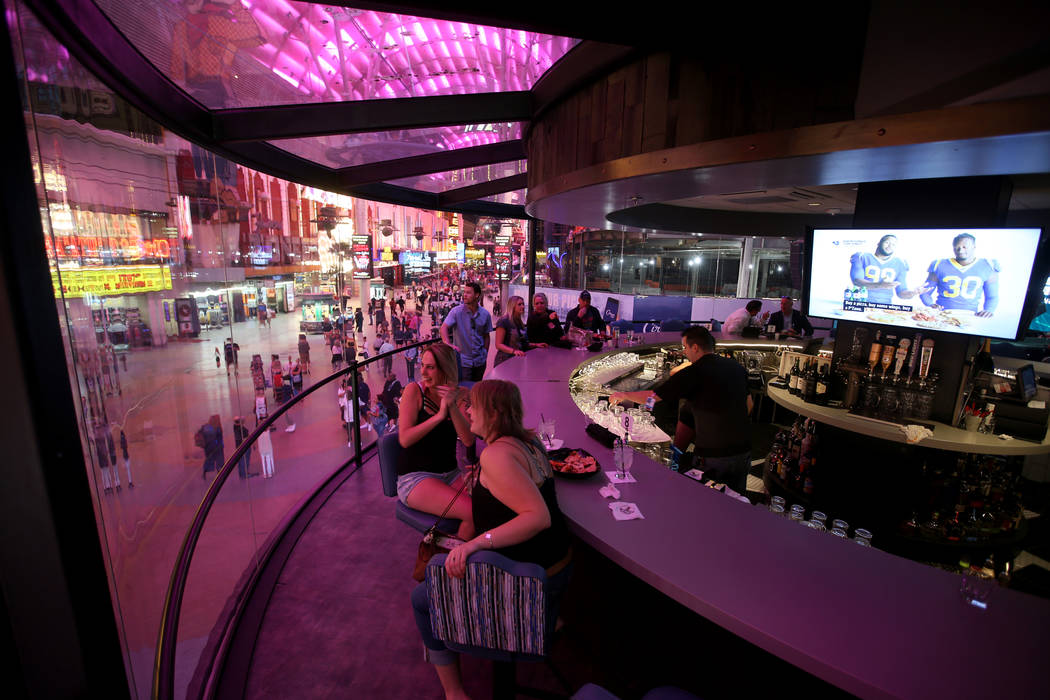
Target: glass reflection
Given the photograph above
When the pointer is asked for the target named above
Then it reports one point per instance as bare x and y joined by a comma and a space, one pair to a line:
347, 150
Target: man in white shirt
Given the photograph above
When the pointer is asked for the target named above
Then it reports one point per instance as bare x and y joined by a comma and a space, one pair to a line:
744, 318
388, 362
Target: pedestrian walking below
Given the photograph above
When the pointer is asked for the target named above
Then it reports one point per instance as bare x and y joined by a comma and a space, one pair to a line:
127, 459
230, 350
240, 434
209, 437
265, 445
304, 353
411, 355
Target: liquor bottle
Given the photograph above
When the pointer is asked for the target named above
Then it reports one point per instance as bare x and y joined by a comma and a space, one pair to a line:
823, 389
793, 378
810, 387
809, 436
810, 478
982, 361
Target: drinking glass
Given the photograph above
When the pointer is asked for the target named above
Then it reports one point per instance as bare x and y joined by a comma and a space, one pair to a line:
778, 501
623, 457
546, 429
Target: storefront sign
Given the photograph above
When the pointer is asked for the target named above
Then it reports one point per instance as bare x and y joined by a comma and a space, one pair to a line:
416, 262
81, 234
361, 251
387, 255
261, 256
502, 253
446, 256
111, 281
473, 254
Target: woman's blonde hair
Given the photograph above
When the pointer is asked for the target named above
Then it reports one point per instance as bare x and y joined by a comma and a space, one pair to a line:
509, 313
446, 361
500, 402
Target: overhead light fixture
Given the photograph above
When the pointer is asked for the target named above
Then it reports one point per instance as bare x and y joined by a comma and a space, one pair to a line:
813, 204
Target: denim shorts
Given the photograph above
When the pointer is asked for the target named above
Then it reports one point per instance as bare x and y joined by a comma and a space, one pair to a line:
409, 481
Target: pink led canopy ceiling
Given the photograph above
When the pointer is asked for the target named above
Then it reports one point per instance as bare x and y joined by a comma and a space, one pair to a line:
346, 150
249, 53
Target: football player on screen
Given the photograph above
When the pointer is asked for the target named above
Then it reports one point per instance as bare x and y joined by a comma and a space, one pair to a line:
959, 281
881, 272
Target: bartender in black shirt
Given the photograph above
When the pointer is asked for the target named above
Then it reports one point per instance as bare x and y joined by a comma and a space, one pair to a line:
585, 316
543, 325
717, 404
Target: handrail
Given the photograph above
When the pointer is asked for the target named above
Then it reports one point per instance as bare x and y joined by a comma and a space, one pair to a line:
164, 660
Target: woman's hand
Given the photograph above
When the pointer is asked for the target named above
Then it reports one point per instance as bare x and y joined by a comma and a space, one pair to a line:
540, 345
456, 561
448, 399
519, 353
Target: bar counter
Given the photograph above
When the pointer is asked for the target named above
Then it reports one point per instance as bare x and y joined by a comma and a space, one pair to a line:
873, 624
945, 437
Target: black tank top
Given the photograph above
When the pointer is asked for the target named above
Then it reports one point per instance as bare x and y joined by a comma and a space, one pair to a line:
436, 451
547, 547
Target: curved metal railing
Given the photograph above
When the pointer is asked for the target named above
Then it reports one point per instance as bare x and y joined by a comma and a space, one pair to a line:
164, 661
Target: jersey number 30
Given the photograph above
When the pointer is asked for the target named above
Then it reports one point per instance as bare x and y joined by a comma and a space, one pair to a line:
955, 286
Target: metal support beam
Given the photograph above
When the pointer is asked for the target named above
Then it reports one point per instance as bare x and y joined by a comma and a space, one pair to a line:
484, 189
326, 118
387, 170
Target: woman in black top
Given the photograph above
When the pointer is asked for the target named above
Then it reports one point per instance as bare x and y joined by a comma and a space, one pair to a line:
515, 511
430, 420
543, 325
511, 339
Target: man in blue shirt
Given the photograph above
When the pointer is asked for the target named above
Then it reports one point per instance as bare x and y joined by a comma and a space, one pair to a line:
466, 329
881, 272
960, 281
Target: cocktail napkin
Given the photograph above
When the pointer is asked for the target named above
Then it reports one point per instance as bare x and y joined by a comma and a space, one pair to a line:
554, 444
615, 478
622, 510
609, 491
915, 433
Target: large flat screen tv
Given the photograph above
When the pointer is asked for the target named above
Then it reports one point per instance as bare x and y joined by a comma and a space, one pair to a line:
972, 281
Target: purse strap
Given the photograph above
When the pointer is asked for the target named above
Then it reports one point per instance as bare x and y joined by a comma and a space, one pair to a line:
433, 528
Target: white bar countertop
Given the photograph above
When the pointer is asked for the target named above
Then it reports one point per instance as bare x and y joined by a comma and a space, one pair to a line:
871, 623
944, 437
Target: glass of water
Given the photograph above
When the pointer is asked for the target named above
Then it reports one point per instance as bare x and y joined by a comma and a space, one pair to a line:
546, 429
623, 457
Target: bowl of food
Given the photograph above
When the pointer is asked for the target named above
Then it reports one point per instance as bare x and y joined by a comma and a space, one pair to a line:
573, 463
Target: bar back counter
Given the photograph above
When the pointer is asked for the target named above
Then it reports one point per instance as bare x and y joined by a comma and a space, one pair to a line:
871, 623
